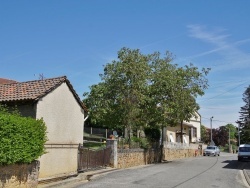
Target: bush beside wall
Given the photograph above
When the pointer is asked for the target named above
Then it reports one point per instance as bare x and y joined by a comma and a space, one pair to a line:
22, 139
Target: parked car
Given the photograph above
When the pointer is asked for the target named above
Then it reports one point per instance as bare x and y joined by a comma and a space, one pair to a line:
244, 152
212, 150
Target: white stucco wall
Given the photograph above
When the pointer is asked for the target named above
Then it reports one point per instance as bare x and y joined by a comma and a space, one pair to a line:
58, 162
196, 122
63, 116
64, 119
173, 130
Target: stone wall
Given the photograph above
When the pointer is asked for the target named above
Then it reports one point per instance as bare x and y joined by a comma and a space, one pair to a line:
173, 154
125, 158
135, 157
19, 175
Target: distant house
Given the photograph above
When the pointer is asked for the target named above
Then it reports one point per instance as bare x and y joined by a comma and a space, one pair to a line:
58, 104
190, 133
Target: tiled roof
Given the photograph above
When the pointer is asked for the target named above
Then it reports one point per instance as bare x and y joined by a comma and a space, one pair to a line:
6, 81
33, 90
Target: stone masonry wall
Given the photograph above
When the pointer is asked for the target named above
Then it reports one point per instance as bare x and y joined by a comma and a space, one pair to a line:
19, 175
130, 157
135, 157
173, 154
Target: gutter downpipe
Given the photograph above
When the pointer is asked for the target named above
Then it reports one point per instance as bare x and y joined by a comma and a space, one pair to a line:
86, 117
83, 124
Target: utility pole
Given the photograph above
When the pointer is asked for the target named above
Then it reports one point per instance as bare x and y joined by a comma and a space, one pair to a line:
211, 140
239, 134
229, 148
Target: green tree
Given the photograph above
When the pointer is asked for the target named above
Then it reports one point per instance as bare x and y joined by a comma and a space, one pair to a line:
233, 131
244, 119
159, 110
145, 90
204, 135
190, 83
221, 136
116, 101
173, 91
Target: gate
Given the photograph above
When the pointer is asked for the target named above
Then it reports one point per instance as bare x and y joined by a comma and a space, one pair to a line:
92, 159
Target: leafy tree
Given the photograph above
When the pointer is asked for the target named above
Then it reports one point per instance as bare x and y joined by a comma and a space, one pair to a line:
145, 90
153, 134
173, 91
221, 135
205, 134
116, 101
244, 119
233, 132
190, 83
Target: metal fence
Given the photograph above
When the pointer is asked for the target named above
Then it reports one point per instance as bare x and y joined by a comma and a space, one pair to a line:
97, 134
93, 159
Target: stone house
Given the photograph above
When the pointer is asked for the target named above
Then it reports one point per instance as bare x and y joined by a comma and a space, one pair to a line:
58, 104
191, 131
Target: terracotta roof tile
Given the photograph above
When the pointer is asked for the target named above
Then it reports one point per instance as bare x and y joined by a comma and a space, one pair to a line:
33, 90
6, 81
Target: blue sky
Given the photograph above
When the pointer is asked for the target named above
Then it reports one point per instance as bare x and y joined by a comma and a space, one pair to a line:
77, 37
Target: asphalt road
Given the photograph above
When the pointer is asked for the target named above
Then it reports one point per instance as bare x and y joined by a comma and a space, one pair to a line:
200, 172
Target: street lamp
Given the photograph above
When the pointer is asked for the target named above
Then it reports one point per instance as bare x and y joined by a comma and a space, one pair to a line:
211, 130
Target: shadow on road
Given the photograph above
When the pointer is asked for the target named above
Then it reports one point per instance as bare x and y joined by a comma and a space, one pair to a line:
235, 164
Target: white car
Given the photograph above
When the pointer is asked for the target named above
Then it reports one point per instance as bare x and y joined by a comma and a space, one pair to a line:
244, 152
211, 150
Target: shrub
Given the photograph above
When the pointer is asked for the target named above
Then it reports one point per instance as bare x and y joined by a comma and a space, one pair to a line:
143, 142
153, 134
22, 139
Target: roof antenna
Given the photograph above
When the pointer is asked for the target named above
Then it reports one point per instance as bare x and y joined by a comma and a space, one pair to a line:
41, 77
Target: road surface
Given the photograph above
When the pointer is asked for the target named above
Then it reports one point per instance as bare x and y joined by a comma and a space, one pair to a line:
200, 172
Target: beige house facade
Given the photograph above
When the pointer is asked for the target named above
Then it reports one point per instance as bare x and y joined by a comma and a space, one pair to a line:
64, 114
191, 131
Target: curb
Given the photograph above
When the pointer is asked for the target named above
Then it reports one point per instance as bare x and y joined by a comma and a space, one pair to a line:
61, 183
80, 178
246, 176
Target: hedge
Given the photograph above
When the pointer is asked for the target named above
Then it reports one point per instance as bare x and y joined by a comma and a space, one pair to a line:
22, 139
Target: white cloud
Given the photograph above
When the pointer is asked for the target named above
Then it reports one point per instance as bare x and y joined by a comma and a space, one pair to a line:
232, 57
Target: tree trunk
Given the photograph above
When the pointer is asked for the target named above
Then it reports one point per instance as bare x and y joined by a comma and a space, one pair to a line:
181, 131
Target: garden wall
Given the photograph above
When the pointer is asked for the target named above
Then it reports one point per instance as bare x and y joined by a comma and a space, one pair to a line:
19, 175
125, 158
173, 154
135, 157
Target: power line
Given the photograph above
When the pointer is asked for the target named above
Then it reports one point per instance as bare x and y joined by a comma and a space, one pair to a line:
218, 120
223, 92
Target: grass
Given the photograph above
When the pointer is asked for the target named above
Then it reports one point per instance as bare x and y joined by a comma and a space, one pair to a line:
94, 145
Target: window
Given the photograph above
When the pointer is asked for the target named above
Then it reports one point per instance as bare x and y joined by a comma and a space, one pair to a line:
184, 139
244, 149
171, 137
194, 132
